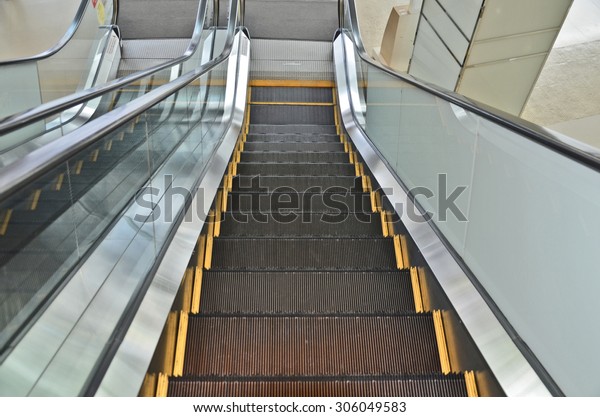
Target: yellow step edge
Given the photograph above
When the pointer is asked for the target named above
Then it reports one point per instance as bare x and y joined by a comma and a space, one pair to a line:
404, 246
366, 183
357, 170
188, 282
292, 83
241, 145
59, 182
290, 103
162, 385
209, 240
471, 384
197, 291
351, 156
94, 155
35, 199
78, 167
390, 223
6, 215
440, 336
416, 287
335, 118
218, 206
201, 251
148, 388
108, 145
373, 201
130, 127
121, 136
171, 335
378, 201
181, 342
346, 147
399, 252
384, 229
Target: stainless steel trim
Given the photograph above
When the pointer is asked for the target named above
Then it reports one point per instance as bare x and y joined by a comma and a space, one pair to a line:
572, 149
17, 174
129, 365
510, 367
18, 120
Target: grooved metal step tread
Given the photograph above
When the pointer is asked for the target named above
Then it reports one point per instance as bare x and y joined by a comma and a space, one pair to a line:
304, 292
393, 386
311, 345
292, 94
292, 137
328, 202
280, 224
294, 147
295, 157
296, 183
291, 168
291, 128
291, 114
304, 253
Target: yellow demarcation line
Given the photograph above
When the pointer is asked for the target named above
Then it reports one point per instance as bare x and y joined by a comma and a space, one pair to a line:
170, 339
390, 221
440, 336
35, 199
471, 383
59, 182
416, 287
218, 205
108, 145
197, 289
289, 103
188, 282
401, 251
94, 155
5, 220
292, 83
78, 167
181, 341
162, 385
384, 224
121, 136
209, 240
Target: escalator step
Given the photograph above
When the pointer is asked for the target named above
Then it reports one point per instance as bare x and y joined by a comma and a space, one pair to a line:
286, 115
312, 169
297, 157
330, 202
304, 253
300, 224
314, 184
303, 292
291, 137
292, 128
311, 345
292, 94
431, 386
294, 147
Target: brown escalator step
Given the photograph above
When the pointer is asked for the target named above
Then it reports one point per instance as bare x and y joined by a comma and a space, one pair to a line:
303, 253
426, 386
306, 292
311, 345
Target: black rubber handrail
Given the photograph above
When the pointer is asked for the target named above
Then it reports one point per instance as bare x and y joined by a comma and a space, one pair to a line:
574, 150
22, 119
16, 176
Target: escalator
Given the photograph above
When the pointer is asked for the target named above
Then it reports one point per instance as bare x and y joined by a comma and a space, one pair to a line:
302, 286
254, 228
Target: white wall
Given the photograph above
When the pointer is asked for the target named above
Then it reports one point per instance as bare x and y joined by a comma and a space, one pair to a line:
28, 27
